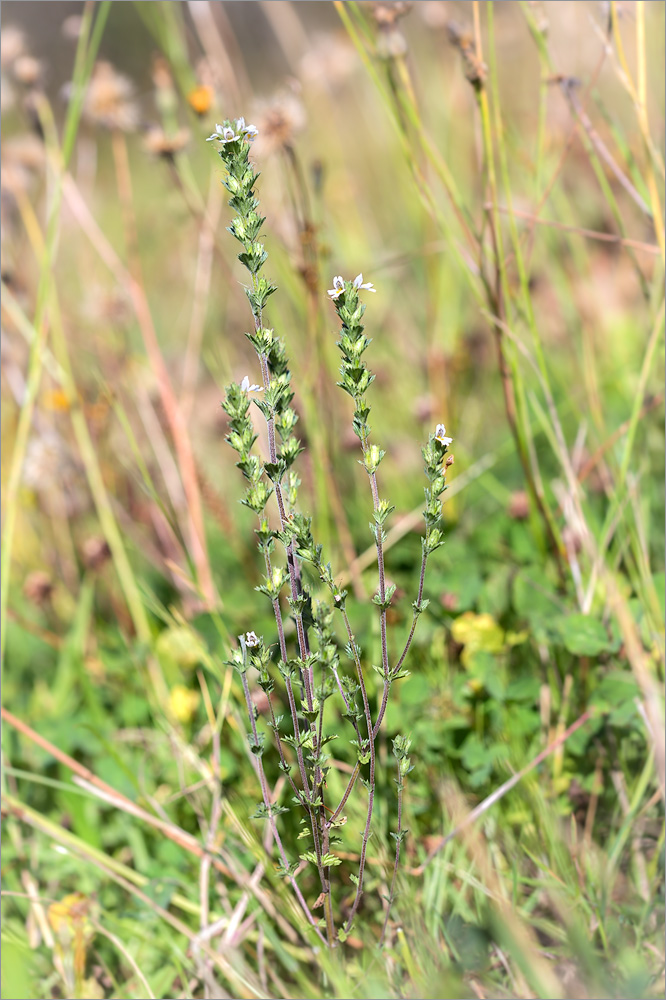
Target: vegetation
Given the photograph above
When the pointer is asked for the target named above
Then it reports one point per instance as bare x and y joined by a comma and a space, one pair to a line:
453, 784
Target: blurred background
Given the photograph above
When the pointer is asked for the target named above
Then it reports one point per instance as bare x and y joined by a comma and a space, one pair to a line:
496, 170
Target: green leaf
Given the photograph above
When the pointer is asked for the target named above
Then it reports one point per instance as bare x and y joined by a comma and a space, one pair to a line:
617, 694
17, 977
523, 689
534, 595
584, 635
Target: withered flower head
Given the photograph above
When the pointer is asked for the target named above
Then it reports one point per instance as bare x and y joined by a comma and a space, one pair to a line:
95, 553
475, 69
391, 43
22, 158
161, 73
329, 61
109, 100
71, 27
12, 46
519, 505
24, 150
279, 121
386, 14
28, 71
38, 587
156, 141
52, 472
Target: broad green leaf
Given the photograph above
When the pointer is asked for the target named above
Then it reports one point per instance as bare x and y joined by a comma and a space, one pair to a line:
584, 635
534, 594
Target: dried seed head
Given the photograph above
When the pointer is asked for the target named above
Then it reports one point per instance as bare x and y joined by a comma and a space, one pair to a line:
71, 27
475, 69
95, 553
386, 14
278, 121
329, 61
519, 505
391, 44
28, 71
12, 46
157, 142
109, 101
38, 587
162, 74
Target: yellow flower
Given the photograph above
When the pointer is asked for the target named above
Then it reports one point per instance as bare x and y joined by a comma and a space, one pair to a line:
183, 702
477, 633
201, 99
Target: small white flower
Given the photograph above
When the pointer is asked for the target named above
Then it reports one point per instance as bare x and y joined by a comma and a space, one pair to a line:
249, 131
358, 283
246, 387
223, 133
252, 639
338, 287
440, 435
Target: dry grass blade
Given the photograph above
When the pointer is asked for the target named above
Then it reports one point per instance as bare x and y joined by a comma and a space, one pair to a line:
86, 779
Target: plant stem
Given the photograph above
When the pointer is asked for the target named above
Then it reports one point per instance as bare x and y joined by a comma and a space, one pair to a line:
398, 841
371, 781
271, 819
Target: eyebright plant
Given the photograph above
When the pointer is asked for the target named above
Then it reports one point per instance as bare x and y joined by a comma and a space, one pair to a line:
308, 676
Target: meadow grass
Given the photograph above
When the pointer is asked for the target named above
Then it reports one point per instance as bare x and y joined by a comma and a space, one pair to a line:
496, 171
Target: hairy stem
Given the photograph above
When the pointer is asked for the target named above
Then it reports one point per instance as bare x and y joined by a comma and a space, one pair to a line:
271, 819
396, 864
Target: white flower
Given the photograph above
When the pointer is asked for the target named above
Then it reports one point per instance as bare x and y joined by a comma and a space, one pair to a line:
338, 287
249, 131
246, 387
358, 283
223, 133
252, 639
440, 435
